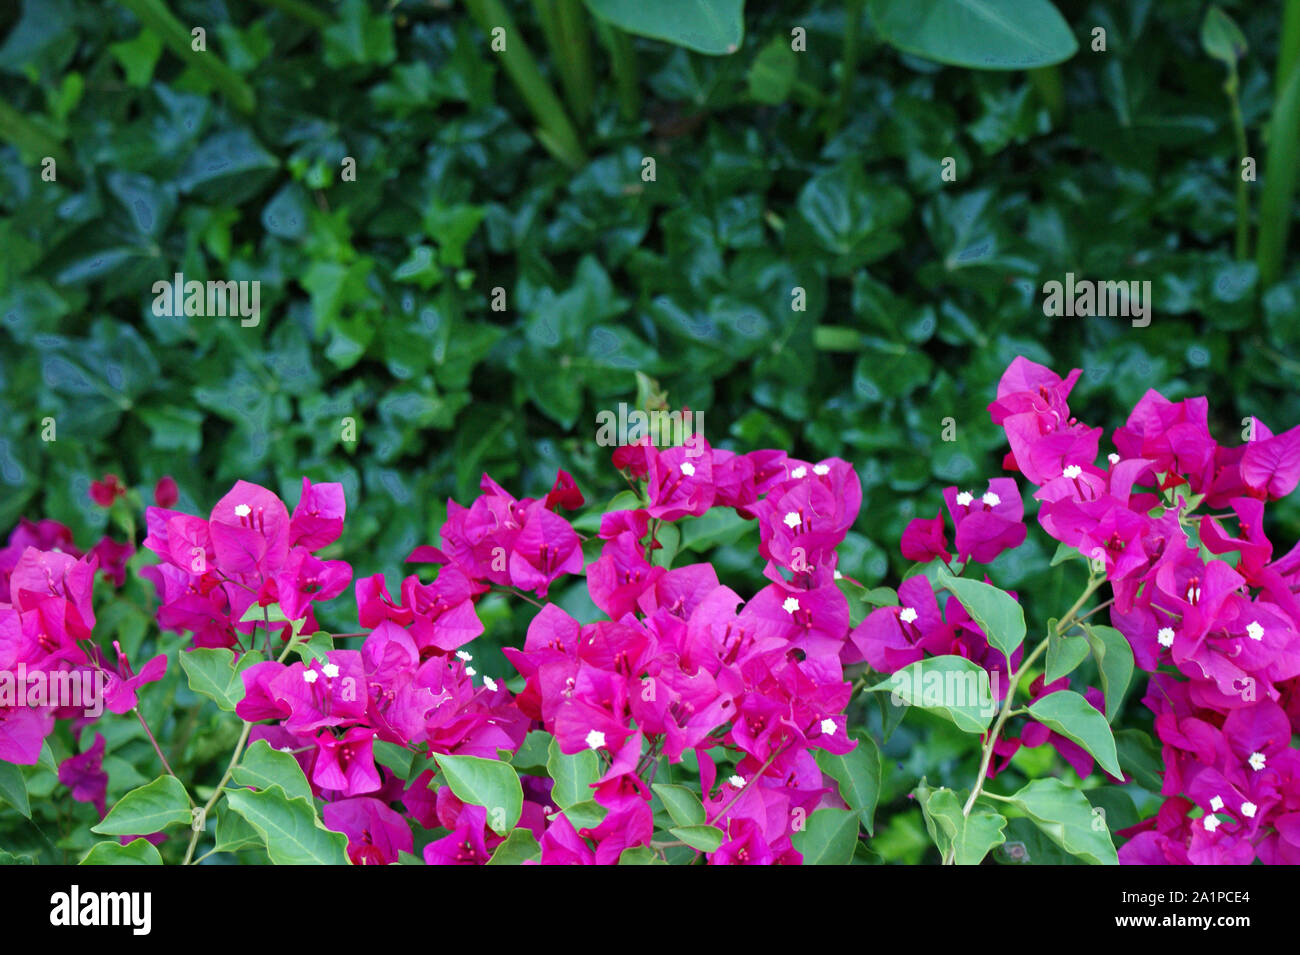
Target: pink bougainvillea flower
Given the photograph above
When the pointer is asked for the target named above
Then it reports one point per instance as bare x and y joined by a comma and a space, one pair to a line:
165, 492
925, 539
104, 492
84, 775
317, 521
376, 833
990, 524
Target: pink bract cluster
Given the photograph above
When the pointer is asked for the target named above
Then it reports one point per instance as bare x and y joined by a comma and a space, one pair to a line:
683, 665
1206, 607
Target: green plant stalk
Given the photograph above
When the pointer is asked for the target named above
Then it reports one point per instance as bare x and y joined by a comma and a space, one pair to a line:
154, 16
848, 60
575, 54
622, 58
230, 768
31, 139
1008, 705
1279, 180
303, 11
1288, 51
1232, 87
555, 131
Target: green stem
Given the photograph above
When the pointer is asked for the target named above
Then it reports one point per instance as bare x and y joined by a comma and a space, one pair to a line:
555, 131
1008, 705
230, 768
579, 80
622, 58
154, 16
848, 60
1279, 177
1231, 87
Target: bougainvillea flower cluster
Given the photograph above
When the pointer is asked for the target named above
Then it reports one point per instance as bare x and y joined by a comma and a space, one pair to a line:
1203, 600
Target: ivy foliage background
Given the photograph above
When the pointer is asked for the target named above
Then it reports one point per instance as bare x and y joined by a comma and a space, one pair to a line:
774, 170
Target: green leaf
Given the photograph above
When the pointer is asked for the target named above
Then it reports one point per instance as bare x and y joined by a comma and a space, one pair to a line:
828, 837
1075, 718
234, 832
639, 855
290, 827
682, 804
951, 686
574, 775
774, 72
858, 775
972, 837
214, 673
704, 838
1065, 552
397, 758
1221, 37
149, 809
519, 846
533, 754
13, 788
262, 767
715, 27
1063, 653
136, 852
714, 528
1065, 816
980, 34
585, 815
1140, 757
1114, 655
998, 613
489, 783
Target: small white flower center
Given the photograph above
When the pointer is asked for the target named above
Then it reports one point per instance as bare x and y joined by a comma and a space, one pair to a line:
242, 510
1216, 803
595, 739
965, 498
838, 575
1166, 636
1248, 809
828, 727
737, 781
799, 472
790, 605
490, 683
330, 670
821, 469
1072, 471
462, 655
1257, 761
470, 671
1211, 823
1254, 630
991, 499
1113, 458
791, 520
310, 675
908, 615
688, 469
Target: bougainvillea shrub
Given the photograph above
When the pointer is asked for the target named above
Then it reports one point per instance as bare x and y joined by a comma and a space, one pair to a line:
676, 717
